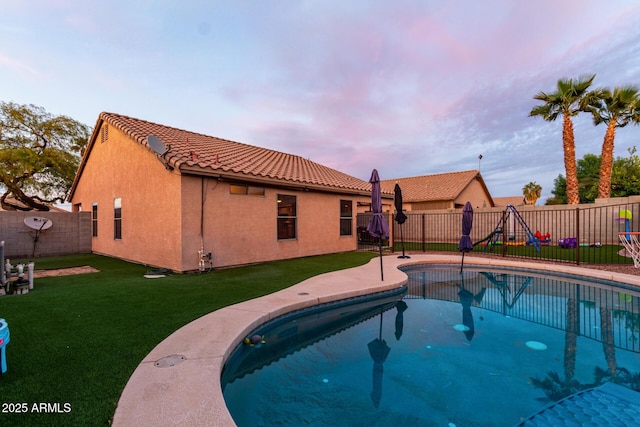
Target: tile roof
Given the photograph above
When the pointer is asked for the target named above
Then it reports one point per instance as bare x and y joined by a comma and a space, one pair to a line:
195, 153
25, 208
511, 200
443, 186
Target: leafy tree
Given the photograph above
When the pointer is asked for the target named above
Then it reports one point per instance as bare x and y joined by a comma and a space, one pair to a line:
616, 109
559, 192
567, 101
532, 192
39, 155
625, 178
588, 177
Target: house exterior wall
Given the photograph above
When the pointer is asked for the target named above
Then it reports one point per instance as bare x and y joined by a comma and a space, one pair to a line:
474, 193
151, 215
419, 206
242, 229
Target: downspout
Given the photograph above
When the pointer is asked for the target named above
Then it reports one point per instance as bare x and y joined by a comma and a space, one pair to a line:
205, 262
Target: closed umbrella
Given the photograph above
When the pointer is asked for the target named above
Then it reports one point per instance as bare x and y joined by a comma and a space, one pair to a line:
465, 244
377, 227
400, 216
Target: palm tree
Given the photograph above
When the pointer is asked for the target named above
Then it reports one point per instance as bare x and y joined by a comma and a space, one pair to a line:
532, 192
616, 109
565, 101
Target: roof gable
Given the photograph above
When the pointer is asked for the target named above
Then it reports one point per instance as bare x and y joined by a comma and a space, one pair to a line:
198, 154
443, 186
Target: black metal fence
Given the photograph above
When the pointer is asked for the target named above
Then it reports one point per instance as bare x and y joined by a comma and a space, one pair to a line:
572, 234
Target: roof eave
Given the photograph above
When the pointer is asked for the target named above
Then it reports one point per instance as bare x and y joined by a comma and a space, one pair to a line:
268, 181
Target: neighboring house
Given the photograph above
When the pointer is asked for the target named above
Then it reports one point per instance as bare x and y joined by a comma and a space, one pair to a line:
196, 194
511, 200
442, 191
25, 208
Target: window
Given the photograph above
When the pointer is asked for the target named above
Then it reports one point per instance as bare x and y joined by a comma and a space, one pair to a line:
246, 190
286, 217
117, 218
94, 220
346, 218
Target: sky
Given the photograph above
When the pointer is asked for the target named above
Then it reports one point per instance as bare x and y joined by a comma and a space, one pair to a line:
406, 87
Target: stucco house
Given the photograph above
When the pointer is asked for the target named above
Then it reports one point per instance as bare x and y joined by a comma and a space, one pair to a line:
442, 191
172, 204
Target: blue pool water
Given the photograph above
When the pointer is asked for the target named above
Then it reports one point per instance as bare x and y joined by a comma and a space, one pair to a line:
485, 348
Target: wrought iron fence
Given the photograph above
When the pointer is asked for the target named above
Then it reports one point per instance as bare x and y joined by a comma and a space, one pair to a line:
582, 234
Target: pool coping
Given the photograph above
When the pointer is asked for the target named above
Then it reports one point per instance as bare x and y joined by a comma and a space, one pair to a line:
178, 382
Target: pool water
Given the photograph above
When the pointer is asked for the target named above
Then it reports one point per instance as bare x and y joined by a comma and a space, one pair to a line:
488, 347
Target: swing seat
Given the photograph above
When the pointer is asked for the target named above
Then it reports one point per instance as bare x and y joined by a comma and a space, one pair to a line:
629, 240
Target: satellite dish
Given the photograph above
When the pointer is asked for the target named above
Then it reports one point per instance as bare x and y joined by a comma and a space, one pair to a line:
159, 148
156, 145
38, 223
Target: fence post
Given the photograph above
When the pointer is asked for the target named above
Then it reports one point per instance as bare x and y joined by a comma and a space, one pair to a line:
424, 243
392, 233
502, 224
577, 235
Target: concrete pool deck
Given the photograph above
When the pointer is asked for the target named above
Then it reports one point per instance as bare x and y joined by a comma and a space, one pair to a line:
178, 382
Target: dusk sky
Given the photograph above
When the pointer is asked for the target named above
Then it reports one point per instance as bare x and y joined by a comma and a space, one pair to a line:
407, 87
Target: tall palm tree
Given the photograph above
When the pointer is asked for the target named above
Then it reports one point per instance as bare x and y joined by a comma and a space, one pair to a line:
565, 102
616, 109
531, 192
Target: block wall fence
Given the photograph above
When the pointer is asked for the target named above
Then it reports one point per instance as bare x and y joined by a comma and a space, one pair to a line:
69, 234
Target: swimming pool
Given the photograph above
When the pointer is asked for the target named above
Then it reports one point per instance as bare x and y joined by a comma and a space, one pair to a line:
490, 347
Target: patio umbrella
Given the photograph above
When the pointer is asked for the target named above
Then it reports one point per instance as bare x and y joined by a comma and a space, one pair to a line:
465, 244
377, 227
378, 350
400, 216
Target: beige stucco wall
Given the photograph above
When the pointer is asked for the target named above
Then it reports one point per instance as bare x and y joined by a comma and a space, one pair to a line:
475, 194
151, 217
242, 229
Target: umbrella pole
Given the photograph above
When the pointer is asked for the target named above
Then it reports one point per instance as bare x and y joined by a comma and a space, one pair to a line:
462, 263
381, 271
402, 238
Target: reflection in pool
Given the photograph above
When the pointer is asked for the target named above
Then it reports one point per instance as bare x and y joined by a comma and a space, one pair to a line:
488, 347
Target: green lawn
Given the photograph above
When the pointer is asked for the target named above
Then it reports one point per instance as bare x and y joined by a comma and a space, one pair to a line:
76, 340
